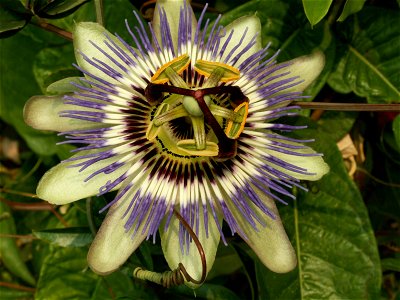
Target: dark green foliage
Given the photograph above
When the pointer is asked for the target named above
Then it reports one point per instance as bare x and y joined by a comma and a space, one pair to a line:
345, 231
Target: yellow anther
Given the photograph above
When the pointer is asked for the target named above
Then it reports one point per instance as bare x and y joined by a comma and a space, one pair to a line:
178, 64
235, 127
206, 68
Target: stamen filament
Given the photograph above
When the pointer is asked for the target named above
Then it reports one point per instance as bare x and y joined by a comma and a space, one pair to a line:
215, 78
175, 79
175, 113
222, 112
199, 132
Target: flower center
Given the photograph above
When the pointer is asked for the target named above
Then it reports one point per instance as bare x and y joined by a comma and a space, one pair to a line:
198, 108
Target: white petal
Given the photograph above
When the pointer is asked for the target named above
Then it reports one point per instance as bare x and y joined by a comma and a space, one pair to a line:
191, 261
42, 112
313, 164
307, 68
61, 185
113, 245
270, 243
253, 26
172, 10
86, 32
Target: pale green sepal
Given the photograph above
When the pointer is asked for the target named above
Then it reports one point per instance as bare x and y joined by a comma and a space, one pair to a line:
64, 85
253, 25
270, 243
191, 261
113, 245
307, 68
313, 164
42, 112
86, 32
63, 184
172, 10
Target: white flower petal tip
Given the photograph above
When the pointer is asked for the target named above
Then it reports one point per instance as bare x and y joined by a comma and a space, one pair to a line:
64, 184
113, 245
307, 68
191, 260
270, 243
86, 35
248, 28
42, 112
172, 10
314, 165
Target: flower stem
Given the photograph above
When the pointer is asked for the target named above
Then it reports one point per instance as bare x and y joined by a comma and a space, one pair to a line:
18, 236
349, 106
89, 215
17, 287
52, 28
24, 194
335, 10
390, 184
98, 5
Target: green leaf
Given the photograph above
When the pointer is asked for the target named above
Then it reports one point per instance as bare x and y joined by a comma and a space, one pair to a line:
12, 294
13, 17
226, 263
333, 238
66, 237
10, 23
65, 275
337, 124
351, 7
17, 53
207, 291
9, 252
56, 8
396, 130
115, 13
370, 61
53, 64
316, 10
391, 264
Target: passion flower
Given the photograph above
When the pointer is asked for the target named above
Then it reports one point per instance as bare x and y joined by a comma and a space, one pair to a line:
183, 118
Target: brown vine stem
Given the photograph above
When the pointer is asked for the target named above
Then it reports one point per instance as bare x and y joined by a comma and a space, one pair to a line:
380, 181
334, 11
52, 28
199, 248
38, 206
17, 287
18, 236
349, 106
8, 191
